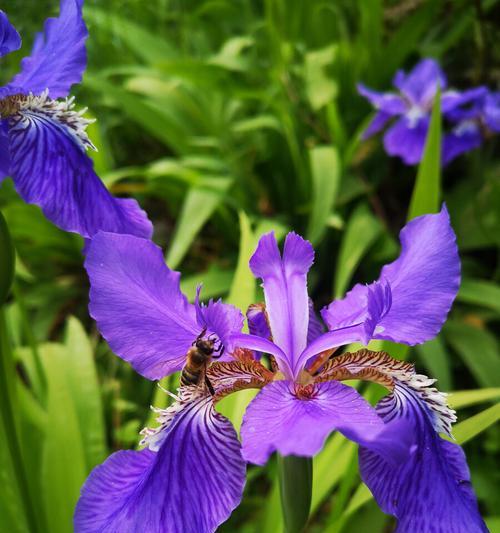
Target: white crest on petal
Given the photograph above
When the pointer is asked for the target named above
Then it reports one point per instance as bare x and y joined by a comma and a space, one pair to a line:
23, 107
153, 437
421, 387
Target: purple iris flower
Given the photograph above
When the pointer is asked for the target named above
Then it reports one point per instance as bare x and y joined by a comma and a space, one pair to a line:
43, 141
472, 124
191, 475
412, 106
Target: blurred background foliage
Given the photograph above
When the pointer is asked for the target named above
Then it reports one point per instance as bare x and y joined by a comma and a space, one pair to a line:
225, 119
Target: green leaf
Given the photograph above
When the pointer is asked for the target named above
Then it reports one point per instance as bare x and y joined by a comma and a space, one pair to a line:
338, 451
146, 44
85, 390
198, 207
326, 174
425, 196
480, 292
7, 261
360, 234
271, 520
242, 292
63, 462
12, 511
478, 349
216, 282
470, 428
465, 398
320, 88
141, 111
436, 359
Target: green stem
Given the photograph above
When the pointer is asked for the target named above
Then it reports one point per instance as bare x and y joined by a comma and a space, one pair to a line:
295, 475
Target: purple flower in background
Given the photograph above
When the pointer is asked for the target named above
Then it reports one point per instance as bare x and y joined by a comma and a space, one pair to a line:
470, 126
191, 474
43, 141
412, 106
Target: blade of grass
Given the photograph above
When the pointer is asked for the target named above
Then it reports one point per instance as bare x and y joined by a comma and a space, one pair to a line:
425, 196
326, 174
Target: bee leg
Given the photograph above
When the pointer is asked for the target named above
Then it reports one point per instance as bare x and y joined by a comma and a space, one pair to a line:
200, 336
210, 386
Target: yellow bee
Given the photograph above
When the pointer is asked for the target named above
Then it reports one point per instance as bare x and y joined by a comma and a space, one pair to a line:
198, 358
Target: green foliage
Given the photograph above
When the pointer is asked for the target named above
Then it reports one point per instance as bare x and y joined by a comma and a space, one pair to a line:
227, 120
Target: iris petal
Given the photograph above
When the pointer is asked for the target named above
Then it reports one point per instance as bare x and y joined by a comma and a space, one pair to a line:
431, 490
406, 138
190, 485
58, 58
389, 103
421, 84
51, 169
139, 307
282, 418
9, 38
415, 292
285, 289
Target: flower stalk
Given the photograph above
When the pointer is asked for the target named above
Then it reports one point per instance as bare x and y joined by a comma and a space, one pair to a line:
295, 477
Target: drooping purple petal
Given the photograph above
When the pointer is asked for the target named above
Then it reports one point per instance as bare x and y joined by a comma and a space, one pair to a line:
431, 490
10, 40
281, 418
406, 138
51, 169
389, 103
377, 123
4, 154
190, 485
464, 137
421, 84
410, 303
138, 305
58, 58
285, 289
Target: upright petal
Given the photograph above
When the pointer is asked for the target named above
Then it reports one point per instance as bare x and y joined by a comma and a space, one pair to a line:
10, 40
58, 58
138, 305
406, 138
431, 490
415, 292
294, 420
285, 289
223, 320
421, 84
51, 169
190, 485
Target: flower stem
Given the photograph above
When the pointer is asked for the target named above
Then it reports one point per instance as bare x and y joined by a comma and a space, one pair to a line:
295, 475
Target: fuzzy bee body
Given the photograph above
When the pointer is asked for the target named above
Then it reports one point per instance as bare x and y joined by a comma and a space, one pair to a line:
198, 358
